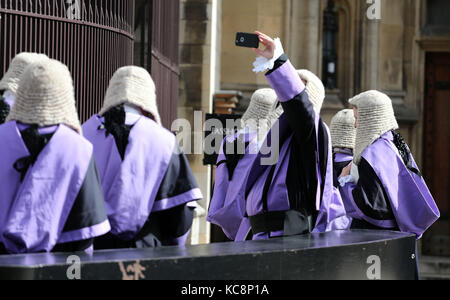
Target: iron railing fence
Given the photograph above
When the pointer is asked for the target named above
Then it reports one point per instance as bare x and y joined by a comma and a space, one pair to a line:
92, 37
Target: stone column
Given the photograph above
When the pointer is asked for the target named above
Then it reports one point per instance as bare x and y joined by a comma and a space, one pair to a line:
304, 45
370, 52
200, 27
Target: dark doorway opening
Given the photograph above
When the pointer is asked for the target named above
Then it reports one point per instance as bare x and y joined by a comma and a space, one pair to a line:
436, 149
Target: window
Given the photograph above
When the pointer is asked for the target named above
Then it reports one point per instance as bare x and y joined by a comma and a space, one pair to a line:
330, 59
437, 21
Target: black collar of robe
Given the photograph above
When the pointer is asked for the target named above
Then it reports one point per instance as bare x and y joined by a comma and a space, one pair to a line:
233, 159
35, 143
115, 125
404, 152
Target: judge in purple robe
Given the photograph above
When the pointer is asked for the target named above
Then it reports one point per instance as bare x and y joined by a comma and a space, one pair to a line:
236, 157
294, 194
148, 186
383, 188
10, 81
343, 136
51, 197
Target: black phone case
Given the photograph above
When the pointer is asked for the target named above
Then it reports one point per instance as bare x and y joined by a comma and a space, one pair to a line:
248, 40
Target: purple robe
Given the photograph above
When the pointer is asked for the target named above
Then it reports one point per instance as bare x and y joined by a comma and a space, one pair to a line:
341, 160
291, 92
36, 213
131, 186
277, 197
411, 202
227, 208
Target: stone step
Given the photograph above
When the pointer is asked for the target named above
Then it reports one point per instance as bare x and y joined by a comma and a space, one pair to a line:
434, 268
424, 276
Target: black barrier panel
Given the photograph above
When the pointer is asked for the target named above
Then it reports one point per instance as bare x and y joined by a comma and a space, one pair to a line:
357, 255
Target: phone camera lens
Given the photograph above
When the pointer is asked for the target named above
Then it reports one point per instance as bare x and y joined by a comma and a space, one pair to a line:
242, 39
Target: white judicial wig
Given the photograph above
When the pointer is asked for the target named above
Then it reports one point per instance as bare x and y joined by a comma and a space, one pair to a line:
314, 88
375, 118
132, 85
10, 81
262, 105
45, 96
343, 131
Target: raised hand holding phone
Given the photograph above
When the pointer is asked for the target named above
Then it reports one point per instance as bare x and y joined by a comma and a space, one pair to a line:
272, 49
269, 44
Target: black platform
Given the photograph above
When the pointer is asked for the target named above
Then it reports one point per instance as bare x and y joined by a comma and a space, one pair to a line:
335, 255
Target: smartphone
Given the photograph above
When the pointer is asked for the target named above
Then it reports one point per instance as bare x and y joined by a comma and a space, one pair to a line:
249, 40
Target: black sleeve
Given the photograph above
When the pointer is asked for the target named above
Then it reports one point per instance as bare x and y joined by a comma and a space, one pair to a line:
304, 154
169, 224
165, 226
370, 196
301, 117
302, 173
299, 110
89, 207
178, 179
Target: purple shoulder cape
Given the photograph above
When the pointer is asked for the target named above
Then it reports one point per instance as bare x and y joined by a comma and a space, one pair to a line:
34, 212
410, 199
131, 186
227, 208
